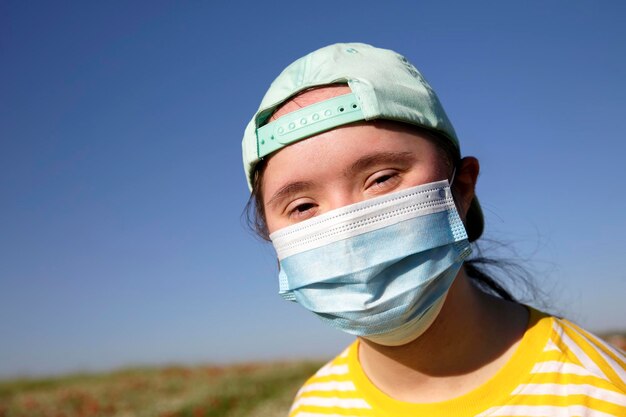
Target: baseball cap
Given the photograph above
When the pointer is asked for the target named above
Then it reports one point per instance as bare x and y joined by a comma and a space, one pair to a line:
383, 84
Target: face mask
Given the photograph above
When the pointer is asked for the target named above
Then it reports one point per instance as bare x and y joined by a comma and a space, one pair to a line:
380, 268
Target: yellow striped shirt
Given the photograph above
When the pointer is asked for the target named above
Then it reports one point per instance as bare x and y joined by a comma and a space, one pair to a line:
557, 370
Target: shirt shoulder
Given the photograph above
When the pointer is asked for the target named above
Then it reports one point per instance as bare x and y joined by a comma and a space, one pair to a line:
575, 351
576, 373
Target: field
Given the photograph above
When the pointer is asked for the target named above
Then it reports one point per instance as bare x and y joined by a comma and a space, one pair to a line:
250, 390
234, 391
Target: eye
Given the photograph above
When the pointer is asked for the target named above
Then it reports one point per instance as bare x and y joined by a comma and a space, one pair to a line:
382, 181
301, 210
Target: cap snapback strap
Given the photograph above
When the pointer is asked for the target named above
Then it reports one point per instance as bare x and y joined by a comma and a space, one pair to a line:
308, 121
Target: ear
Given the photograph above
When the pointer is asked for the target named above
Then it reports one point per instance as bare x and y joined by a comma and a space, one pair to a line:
464, 184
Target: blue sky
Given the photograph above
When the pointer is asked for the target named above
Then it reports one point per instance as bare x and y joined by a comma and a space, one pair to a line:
121, 185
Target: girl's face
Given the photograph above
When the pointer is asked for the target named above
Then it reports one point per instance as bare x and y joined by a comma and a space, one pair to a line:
346, 165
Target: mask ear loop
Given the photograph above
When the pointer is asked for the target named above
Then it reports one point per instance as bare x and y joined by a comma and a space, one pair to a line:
450, 185
452, 178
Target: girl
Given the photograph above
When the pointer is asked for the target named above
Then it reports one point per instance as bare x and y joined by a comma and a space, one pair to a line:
357, 179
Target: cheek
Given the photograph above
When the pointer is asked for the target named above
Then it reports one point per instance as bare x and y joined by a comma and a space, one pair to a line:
273, 219
273, 222
263, 212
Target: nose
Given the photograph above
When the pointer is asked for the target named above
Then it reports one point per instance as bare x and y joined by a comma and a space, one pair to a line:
340, 197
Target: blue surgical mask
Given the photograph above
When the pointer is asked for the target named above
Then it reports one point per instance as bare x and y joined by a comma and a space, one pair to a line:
380, 268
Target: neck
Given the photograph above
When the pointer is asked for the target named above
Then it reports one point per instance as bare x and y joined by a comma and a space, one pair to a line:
471, 339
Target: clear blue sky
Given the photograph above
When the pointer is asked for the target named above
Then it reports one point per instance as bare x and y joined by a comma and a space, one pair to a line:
121, 186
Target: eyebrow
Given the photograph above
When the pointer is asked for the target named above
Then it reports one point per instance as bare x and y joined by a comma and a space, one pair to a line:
379, 158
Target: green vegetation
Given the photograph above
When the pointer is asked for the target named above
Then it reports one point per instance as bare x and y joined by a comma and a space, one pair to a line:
234, 391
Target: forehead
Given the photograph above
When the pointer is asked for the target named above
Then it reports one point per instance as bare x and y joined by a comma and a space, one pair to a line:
337, 153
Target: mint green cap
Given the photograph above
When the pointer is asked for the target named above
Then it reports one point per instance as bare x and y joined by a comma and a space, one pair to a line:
384, 85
